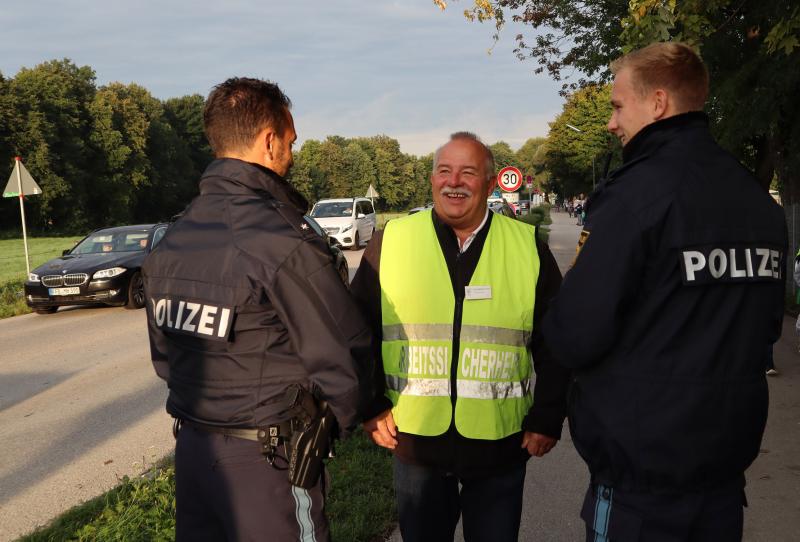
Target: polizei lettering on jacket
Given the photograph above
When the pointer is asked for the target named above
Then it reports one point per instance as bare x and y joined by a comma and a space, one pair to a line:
192, 317
731, 263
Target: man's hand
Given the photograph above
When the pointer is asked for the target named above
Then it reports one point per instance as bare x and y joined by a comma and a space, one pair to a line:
536, 443
382, 430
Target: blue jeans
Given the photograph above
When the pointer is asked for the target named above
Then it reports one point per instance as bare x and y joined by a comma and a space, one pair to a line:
429, 504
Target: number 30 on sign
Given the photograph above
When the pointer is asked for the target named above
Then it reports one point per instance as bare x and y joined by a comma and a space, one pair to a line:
509, 179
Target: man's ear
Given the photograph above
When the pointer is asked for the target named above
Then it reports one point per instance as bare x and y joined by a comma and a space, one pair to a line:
267, 141
492, 185
660, 104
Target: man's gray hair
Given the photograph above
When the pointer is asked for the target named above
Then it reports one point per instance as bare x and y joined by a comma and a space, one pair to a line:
489, 164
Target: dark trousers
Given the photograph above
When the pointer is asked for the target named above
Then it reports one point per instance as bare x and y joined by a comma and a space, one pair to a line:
615, 516
226, 490
429, 504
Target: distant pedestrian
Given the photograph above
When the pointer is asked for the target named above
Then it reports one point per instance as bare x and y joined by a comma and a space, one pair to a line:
666, 315
797, 300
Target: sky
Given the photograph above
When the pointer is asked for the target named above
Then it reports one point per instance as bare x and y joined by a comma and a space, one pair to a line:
352, 68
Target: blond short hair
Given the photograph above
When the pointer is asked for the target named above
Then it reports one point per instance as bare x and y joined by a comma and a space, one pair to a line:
674, 67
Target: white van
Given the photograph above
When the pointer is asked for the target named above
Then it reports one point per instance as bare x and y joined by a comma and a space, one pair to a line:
351, 221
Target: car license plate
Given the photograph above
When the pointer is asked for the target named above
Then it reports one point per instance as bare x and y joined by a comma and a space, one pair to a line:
64, 291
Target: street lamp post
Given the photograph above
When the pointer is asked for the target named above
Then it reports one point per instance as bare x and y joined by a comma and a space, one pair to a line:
576, 129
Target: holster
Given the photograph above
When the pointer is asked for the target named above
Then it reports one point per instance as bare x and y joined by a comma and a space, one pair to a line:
313, 426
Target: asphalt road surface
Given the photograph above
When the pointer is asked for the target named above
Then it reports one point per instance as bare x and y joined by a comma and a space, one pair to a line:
80, 407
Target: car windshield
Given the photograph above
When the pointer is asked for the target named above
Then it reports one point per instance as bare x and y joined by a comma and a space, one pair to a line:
333, 208
100, 242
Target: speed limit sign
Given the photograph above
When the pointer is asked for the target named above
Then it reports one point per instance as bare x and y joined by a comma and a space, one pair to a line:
509, 179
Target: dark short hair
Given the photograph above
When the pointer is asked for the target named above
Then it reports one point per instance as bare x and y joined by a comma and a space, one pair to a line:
469, 136
671, 66
241, 107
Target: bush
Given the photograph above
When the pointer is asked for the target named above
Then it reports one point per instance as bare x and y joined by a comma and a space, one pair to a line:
12, 299
538, 216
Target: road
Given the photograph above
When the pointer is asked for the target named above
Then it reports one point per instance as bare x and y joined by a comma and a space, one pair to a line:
80, 407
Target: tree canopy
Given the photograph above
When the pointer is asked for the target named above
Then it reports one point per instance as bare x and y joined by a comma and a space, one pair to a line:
103, 156
750, 48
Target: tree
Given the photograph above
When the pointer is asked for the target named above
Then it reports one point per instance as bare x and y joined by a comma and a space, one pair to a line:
306, 175
51, 132
185, 115
750, 48
578, 141
531, 160
122, 115
8, 207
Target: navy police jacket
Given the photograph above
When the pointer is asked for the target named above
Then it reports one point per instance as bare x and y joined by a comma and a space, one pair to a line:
243, 301
668, 312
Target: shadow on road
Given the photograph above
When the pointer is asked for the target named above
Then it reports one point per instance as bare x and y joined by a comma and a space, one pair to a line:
19, 387
80, 438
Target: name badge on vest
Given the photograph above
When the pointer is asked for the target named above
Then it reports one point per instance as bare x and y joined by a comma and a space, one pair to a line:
478, 292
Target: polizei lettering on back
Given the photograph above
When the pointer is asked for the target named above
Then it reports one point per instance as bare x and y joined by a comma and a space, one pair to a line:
192, 317
731, 263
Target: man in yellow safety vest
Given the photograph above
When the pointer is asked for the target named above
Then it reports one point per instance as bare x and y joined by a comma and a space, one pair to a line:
466, 390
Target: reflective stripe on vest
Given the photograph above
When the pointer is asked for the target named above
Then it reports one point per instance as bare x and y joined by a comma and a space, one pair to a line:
470, 389
494, 371
444, 332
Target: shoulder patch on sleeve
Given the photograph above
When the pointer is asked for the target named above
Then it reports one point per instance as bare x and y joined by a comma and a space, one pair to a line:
581, 241
295, 220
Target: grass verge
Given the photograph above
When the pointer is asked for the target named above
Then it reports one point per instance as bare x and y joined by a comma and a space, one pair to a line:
12, 268
12, 299
360, 504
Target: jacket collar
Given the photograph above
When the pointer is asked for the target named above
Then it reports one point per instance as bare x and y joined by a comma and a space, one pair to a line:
254, 177
654, 135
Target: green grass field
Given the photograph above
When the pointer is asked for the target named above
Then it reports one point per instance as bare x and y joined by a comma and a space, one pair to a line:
12, 267
40, 249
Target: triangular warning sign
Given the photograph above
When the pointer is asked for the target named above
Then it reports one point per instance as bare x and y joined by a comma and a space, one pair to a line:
20, 176
372, 193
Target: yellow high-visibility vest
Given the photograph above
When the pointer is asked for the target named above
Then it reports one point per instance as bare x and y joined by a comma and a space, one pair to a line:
494, 377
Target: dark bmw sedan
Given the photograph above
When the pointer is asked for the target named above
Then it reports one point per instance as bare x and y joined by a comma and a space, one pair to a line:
103, 268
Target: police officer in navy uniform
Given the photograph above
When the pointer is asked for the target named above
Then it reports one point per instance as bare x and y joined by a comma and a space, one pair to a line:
243, 304
676, 293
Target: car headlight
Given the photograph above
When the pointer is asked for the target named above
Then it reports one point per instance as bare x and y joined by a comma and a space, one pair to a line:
108, 273
347, 228
33, 277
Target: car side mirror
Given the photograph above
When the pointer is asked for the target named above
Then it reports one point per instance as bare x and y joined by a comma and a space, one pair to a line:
332, 241
361, 215
65, 251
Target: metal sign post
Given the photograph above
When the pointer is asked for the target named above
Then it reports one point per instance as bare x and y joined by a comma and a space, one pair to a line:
529, 182
372, 194
24, 182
